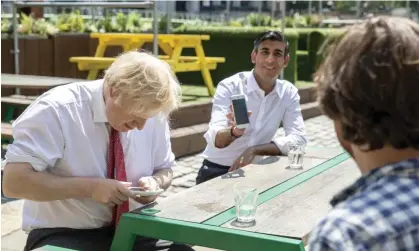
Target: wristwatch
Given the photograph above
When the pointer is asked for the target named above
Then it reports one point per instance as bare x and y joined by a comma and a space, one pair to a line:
232, 133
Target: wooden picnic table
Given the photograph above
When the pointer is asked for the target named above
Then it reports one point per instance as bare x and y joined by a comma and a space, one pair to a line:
18, 82
171, 44
290, 203
33, 82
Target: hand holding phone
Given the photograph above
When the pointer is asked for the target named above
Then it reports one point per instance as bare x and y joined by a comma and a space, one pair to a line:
240, 112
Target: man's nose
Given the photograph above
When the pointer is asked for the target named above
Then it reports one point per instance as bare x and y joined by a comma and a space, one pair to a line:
271, 58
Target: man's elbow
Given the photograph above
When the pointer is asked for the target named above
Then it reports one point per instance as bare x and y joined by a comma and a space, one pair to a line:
13, 179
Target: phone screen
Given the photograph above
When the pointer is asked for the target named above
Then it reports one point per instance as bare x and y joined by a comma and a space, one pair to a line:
240, 111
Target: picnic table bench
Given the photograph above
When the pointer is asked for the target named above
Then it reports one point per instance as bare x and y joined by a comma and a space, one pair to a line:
33, 82
17, 101
171, 44
6, 133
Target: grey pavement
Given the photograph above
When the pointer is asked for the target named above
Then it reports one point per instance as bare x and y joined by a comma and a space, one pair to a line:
320, 133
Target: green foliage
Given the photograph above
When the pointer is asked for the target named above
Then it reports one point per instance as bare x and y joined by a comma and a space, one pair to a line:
44, 28
133, 23
255, 19
162, 24
345, 6
6, 25
30, 26
26, 24
72, 22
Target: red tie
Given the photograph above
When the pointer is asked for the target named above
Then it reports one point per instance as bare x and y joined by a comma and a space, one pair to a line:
116, 166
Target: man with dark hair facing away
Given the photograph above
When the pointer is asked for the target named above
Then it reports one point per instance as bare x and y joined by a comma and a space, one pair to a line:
369, 86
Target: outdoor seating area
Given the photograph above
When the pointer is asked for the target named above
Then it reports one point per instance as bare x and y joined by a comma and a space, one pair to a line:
255, 162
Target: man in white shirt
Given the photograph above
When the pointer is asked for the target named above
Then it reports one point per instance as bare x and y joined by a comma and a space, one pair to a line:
74, 190
270, 101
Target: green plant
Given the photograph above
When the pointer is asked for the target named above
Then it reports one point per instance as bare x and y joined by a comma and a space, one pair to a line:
93, 25
26, 24
315, 20
299, 21
43, 27
255, 19
162, 24
72, 22
133, 22
6, 25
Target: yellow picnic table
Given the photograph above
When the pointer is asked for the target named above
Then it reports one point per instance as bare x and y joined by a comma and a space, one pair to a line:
171, 44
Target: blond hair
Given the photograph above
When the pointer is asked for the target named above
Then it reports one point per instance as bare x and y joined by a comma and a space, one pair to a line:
145, 82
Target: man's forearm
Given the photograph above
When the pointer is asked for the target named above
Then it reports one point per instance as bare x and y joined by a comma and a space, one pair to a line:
163, 177
269, 149
21, 181
223, 138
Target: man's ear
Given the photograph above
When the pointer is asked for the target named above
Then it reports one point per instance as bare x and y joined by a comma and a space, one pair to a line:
286, 60
112, 92
339, 134
253, 56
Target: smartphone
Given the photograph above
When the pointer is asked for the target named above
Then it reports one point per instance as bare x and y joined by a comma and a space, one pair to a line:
240, 111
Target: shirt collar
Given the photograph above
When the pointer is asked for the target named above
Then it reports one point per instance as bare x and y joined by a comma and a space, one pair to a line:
96, 89
252, 84
407, 169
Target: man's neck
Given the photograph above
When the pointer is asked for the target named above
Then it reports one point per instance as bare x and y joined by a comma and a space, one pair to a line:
368, 161
266, 85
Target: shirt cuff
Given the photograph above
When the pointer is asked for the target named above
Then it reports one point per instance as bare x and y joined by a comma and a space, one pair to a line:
282, 144
211, 134
36, 163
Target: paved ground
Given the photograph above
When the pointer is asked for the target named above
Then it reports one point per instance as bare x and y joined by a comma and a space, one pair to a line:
320, 133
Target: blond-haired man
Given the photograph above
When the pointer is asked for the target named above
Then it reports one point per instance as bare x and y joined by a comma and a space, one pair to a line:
74, 189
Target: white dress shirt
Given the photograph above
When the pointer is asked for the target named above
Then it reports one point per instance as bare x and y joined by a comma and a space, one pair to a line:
280, 105
64, 132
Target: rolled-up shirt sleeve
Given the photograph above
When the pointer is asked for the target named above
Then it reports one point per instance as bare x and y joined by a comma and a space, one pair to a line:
293, 125
164, 157
220, 108
37, 137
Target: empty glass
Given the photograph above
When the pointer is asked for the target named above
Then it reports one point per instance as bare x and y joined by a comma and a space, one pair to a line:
296, 156
245, 199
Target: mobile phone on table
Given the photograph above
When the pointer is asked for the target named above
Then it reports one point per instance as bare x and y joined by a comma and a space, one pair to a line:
240, 111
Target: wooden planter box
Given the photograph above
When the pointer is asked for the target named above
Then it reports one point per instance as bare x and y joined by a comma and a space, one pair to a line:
35, 57
45, 56
66, 45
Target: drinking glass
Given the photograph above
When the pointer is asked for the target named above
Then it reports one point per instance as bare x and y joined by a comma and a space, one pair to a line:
245, 199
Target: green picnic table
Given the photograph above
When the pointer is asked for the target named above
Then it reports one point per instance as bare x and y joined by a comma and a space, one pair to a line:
290, 203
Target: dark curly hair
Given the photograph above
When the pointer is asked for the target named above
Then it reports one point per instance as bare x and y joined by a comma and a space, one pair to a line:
369, 82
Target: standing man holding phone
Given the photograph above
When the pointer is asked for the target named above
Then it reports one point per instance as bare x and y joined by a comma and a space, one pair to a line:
260, 102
